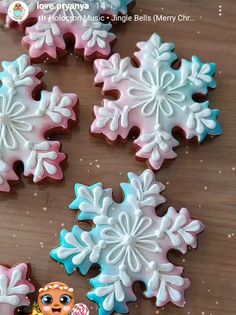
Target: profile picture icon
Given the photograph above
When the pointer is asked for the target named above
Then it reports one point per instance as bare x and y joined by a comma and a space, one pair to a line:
57, 298
18, 11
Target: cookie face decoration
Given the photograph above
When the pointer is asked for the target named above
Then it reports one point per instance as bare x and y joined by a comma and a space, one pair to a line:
14, 288
155, 98
78, 19
56, 298
24, 122
129, 242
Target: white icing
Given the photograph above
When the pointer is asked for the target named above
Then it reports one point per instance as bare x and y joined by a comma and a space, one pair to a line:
56, 109
18, 75
156, 141
115, 67
147, 190
95, 203
113, 291
197, 119
128, 239
155, 51
44, 34
12, 123
156, 93
178, 230
80, 250
95, 34
40, 160
113, 114
10, 289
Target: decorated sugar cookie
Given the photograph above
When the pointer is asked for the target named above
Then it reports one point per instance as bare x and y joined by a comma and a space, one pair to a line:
129, 242
14, 288
25, 120
56, 20
155, 98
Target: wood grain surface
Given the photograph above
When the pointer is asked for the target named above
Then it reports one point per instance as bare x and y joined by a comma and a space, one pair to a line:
202, 178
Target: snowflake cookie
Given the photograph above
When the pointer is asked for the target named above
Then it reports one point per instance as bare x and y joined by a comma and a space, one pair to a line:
24, 122
56, 20
14, 288
129, 242
155, 98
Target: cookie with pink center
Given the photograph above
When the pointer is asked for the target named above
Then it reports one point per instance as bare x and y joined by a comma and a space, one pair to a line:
154, 98
24, 121
14, 289
54, 22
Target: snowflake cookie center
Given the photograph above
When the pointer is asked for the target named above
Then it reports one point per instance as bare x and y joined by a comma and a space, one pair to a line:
129, 240
158, 92
5, 120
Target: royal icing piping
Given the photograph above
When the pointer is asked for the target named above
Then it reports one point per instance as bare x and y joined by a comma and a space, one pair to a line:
155, 98
24, 122
76, 17
129, 242
14, 288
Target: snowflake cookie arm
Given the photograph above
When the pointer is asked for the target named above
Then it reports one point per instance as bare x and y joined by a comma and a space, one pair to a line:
114, 118
14, 288
77, 250
24, 122
94, 39
44, 38
93, 202
143, 192
112, 293
179, 230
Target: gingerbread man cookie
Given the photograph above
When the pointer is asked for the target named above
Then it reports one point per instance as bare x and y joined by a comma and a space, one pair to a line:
154, 97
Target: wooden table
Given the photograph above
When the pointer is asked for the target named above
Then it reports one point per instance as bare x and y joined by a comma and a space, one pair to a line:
201, 179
